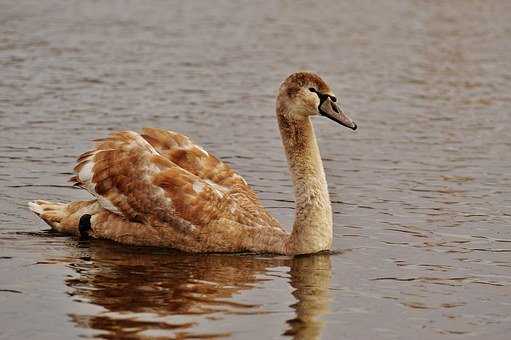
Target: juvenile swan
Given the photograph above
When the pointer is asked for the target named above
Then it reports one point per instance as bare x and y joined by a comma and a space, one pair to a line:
157, 188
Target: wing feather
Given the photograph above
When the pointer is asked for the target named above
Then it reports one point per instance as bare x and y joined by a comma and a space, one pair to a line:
243, 204
161, 177
182, 151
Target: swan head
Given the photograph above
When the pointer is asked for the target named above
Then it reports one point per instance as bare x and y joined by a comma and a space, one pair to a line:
305, 94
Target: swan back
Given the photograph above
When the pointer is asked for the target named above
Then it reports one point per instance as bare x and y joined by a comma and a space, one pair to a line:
161, 178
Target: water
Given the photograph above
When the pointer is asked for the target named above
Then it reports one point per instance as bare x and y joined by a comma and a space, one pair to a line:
421, 192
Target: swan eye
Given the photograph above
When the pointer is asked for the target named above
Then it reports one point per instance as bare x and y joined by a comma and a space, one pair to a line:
312, 89
332, 98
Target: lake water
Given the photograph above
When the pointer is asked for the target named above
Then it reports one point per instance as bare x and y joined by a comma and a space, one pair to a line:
421, 192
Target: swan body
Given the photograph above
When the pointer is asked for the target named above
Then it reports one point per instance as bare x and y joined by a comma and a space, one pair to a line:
157, 188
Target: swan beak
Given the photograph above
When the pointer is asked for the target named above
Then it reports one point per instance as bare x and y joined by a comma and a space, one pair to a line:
331, 110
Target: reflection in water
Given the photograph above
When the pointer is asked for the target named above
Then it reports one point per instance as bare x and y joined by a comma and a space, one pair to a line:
310, 276
148, 292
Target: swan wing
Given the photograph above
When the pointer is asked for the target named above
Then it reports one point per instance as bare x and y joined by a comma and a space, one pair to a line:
131, 178
180, 150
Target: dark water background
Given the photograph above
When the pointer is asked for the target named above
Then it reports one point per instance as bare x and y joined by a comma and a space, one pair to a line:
421, 192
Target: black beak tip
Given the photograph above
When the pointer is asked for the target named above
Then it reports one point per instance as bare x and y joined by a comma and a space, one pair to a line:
354, 127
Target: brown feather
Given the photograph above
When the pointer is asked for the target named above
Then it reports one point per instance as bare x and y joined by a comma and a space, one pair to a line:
162, 178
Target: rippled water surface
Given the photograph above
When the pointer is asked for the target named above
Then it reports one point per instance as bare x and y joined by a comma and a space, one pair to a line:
421, 192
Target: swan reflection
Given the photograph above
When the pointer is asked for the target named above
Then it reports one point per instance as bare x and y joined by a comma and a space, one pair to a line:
147, 292
310, 277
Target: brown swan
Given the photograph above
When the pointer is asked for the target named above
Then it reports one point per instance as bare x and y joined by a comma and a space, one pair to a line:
157, 188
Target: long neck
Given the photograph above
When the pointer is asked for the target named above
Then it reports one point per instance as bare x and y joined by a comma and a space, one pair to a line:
312, 229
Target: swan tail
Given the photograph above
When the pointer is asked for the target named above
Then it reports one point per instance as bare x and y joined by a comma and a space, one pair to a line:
62, 217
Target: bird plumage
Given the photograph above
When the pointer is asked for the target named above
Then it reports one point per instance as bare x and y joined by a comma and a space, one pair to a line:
159, 188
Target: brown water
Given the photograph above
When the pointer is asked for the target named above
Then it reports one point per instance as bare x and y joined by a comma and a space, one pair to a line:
421, 192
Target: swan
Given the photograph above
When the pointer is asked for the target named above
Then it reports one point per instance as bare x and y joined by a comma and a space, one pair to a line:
157, 188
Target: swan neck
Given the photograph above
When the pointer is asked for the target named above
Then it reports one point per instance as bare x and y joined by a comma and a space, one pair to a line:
312, 229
